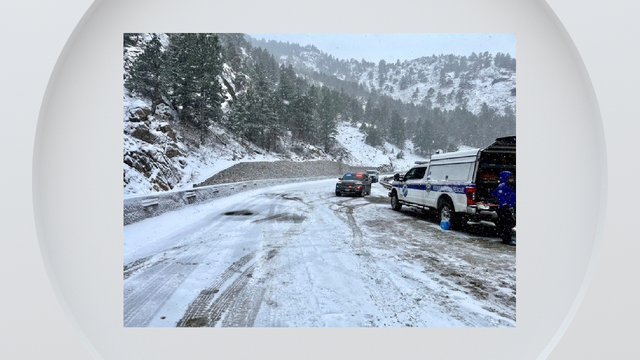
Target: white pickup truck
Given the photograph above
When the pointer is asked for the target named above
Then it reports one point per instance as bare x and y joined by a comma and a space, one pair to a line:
457, 185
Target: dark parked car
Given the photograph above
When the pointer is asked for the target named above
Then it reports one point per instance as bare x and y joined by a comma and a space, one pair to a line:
374, 175
354, 184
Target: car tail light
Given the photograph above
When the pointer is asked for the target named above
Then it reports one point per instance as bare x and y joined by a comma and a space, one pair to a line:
359, 187
470, 191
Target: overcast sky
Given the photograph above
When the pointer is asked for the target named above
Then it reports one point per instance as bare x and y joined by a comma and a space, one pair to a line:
391, 47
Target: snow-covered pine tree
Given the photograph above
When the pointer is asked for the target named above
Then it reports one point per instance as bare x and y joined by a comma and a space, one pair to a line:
194, 65
146, 77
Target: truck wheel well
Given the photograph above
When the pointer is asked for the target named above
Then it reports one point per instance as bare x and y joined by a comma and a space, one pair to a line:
444, 198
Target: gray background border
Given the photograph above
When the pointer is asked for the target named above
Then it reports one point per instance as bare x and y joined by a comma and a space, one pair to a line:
44, 325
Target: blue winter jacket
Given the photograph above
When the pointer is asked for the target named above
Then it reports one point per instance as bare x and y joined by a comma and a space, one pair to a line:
504, 192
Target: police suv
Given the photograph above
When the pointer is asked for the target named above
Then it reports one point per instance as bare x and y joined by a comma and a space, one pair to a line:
457, 185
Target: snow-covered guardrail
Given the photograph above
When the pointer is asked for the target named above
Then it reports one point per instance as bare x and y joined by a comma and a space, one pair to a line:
386, 182
137, 208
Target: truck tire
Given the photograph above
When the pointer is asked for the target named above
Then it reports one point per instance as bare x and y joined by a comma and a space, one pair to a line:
446, 211
395, 203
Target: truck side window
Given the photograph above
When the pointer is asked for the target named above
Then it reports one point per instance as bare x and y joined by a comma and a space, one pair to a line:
410, 174
419, 173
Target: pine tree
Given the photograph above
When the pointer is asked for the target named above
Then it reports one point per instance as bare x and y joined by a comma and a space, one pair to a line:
464, 64
486, 122
194, 64
507, 123
404, 82
422, 140
286, 96
147, 74
460, 99
415, 94
301, 110
357, 114
260, 109
328, 118
382, 73
368, 110
373, 136
310, 124
239, 116
397, 130
440, 99
442, 81
440, 136
231, 49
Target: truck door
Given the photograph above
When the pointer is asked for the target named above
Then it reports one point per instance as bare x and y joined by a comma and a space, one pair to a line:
407, 182
430, 179
416, 186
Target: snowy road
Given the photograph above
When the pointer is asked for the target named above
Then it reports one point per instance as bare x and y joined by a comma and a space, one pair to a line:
298, 256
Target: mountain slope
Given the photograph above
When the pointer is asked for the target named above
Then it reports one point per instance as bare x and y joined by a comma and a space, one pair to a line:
470, 81
159, 155
163, 150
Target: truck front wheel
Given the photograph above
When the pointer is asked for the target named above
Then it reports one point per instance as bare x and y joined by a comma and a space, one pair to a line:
395, 203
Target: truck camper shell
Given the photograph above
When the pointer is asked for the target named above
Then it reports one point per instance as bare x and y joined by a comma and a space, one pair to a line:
458, 183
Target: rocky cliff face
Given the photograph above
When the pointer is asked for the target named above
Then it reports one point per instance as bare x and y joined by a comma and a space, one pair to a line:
152, 148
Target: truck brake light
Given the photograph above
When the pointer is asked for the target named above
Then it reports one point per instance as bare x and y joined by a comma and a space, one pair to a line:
470, 191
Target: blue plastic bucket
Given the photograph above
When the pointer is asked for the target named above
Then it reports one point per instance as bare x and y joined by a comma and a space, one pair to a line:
445, 225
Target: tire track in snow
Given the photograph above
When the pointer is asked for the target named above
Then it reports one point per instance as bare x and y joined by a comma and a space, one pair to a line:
237, 304
142, 301
198, 309
455, 267
384, 289
145, 292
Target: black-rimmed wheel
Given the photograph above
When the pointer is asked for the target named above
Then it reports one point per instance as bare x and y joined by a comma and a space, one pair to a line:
395, 203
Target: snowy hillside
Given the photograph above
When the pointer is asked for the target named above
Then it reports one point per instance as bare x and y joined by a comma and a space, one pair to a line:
491, 85
386, 158
158, 158
461, 81
263, 112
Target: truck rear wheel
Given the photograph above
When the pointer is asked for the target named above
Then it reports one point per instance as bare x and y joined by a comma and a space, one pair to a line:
447, 212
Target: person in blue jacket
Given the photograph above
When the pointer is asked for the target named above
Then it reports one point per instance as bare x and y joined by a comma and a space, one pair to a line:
506, 195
